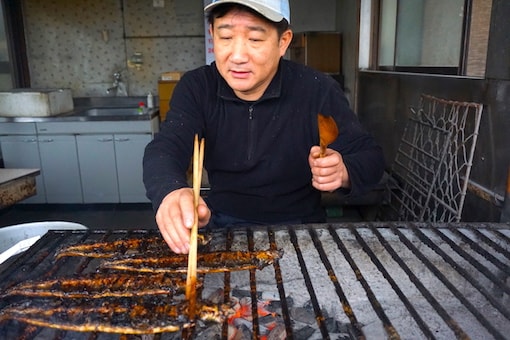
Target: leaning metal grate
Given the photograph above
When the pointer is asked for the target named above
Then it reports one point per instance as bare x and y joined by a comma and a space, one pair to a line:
433, 161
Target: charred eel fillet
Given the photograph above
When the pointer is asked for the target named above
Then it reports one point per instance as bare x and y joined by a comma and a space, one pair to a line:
221, 261
129, 316
98, 285
132, 246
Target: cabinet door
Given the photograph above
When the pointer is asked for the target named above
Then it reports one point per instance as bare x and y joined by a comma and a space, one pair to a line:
23, 152
165, 92
129, 150
59, 161
96, 156
319, 50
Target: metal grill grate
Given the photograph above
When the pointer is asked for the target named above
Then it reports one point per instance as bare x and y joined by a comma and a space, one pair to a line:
385, 280
433, 161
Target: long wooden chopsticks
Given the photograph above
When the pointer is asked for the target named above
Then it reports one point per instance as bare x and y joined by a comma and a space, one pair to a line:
191, 279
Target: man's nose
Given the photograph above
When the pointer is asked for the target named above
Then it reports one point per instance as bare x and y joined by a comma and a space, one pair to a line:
239, 51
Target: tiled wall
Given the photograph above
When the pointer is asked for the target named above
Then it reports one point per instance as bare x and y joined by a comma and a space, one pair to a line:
80, 44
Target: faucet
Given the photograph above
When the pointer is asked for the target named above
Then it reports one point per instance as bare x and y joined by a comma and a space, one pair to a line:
118, 86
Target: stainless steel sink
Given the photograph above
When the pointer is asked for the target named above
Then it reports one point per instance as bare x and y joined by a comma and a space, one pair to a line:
94, 113
111, 111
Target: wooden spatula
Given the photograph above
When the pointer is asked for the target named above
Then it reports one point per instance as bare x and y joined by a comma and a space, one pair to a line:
328, 132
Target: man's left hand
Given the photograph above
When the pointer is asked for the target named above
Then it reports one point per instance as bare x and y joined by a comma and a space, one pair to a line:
329, 172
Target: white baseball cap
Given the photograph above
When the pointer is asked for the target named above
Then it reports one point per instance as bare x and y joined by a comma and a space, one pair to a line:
274, 10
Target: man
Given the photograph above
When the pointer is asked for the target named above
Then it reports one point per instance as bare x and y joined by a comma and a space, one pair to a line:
258, 115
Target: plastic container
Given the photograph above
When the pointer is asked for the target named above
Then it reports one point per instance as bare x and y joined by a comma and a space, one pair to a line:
28, 102
18, 238
150, 101
141, 107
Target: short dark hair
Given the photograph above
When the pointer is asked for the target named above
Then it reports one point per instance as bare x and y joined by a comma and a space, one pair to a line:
222, 10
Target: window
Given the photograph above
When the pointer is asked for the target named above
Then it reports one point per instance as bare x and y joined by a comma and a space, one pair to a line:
5, 68
432, 36
13, 59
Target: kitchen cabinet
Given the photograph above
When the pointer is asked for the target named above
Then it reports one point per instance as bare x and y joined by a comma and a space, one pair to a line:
59, 163
20, 149
129, 150
111, 167
81, 161
319, 50
54, 155
165, 92
96, 153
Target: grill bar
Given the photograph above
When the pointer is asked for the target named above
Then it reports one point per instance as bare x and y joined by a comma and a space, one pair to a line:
315, 304
227, 288
253, 291
414, 313
331, 273
390, 330
473, 245
450, 321
499, 249
448, 284
281, 289
471, 279
501, 236
393, 280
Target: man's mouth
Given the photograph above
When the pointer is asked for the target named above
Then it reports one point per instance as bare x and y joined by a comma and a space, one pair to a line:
239, 74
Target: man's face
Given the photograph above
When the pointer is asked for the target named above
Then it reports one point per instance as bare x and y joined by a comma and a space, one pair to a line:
247, 50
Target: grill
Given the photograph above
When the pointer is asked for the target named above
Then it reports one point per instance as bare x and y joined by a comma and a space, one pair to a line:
378, 280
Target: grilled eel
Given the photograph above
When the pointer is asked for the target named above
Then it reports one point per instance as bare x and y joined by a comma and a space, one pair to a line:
133, 246
220, 261
126, 316
97, 285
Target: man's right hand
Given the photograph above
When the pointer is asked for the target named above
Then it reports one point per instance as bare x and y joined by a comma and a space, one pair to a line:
175, 218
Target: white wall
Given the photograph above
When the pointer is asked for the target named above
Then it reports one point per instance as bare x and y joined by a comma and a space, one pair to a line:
316, 15
68, 47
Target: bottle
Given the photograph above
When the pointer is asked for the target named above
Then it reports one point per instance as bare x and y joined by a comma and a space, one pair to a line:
141, 107
150, 100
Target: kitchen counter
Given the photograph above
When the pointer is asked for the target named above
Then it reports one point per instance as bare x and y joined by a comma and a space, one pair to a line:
90, 155
16, 185
82, 107
79, 115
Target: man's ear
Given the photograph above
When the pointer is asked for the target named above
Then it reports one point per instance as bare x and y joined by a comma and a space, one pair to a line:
285, 41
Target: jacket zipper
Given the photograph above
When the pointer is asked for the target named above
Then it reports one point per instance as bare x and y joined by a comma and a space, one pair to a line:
251, 128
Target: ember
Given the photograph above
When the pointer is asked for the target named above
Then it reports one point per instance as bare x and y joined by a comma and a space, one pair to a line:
241, 320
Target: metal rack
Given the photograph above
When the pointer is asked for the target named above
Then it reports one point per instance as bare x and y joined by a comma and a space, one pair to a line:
430, 174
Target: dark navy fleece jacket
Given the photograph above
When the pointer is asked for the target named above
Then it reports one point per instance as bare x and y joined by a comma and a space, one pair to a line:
256, 153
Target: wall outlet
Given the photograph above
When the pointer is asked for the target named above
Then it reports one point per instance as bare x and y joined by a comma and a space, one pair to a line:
158, 3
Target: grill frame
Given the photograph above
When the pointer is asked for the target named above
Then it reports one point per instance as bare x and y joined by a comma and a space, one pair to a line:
462, 258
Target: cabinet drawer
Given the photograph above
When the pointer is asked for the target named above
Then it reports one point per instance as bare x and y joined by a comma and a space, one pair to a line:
13, 128
95, 127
